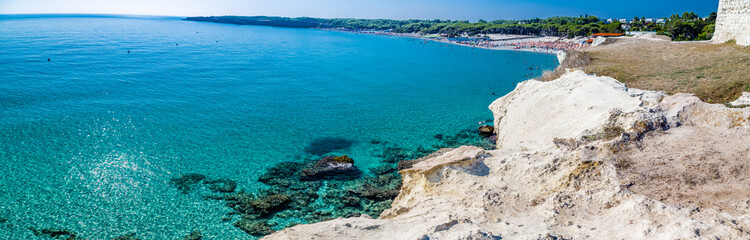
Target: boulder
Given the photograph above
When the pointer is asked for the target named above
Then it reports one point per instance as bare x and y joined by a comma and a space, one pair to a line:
409, 163
331, 167
486, 130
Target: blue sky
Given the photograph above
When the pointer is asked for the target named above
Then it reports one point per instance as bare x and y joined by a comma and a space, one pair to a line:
393, 9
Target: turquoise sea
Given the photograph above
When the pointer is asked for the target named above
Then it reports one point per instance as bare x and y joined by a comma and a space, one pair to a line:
90, 138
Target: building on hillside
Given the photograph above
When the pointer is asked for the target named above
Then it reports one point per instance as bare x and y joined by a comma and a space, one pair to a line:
623, 20
661, 20
649, 20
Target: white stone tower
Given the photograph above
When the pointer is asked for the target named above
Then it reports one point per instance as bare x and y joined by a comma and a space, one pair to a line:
733, 22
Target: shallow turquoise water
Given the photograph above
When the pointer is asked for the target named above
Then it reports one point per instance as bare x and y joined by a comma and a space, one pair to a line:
90, 138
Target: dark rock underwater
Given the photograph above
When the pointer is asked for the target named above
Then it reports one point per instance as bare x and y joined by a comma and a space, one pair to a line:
322, 187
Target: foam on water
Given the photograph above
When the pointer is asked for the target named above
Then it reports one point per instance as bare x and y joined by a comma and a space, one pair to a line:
90, 139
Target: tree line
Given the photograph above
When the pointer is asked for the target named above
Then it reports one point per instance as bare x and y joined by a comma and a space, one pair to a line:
687, 26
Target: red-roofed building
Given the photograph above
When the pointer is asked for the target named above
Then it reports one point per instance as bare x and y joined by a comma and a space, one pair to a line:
607, 35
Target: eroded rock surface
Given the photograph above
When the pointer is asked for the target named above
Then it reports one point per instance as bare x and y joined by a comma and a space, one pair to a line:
581, 157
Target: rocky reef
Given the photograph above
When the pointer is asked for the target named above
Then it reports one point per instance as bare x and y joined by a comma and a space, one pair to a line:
580, 157
321, 186
187, 182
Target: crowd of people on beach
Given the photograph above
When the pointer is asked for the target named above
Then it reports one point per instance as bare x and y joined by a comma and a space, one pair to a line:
557, 46
548, 46
484, 44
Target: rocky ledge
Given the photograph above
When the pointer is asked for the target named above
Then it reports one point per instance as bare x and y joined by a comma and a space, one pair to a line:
581, 157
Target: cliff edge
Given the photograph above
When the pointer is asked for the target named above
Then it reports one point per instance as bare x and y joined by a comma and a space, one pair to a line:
580, 157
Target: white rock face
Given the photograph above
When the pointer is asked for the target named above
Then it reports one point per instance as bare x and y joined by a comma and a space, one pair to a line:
743, 100
598, 41
576, 103
554, 175
733, 22
561, 55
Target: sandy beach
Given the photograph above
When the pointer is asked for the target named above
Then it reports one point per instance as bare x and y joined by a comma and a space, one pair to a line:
506, 42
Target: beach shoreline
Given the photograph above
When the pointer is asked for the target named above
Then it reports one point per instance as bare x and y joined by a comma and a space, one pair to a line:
503, 42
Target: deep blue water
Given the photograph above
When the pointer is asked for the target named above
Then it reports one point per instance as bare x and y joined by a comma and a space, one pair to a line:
90, 138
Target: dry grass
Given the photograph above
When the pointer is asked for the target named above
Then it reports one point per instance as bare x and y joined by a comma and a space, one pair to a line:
716, 73
574, 59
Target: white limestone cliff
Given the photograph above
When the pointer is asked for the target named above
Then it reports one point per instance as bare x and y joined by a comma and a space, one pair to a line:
564, 168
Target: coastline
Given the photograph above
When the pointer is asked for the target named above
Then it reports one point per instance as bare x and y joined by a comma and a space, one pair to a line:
565, 171
495, 41
582, 152
503, 42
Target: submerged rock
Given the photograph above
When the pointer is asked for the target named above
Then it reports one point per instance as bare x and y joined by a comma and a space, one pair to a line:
270, 204
195, 235
341, 167
129, 236
55, 233
462, 138
263, 206
186, 181
283, 174
294, 192
375, 192
222, 185
397, 154
256, 228
383, 169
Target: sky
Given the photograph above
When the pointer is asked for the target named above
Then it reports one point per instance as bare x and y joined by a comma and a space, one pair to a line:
392, 9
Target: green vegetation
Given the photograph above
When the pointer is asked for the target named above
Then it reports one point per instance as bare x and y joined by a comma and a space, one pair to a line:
687, 26
609, 132
690, 27
554, 26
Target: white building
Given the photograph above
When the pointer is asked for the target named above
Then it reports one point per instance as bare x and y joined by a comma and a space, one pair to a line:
661, 20
623, 20
649, 20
